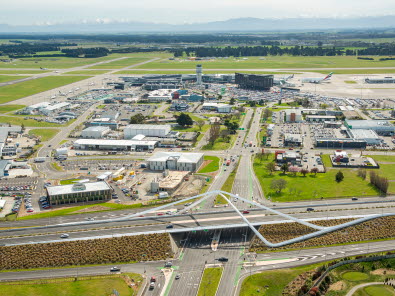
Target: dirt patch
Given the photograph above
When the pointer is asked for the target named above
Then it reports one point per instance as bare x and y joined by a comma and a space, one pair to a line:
205, 163
92, 209
382, 271
338, 286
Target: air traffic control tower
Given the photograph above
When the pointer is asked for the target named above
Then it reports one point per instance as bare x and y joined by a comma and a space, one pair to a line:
199, 74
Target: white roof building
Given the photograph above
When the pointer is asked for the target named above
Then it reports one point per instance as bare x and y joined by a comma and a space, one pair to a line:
128, 145
177, 161
95, 132
149, 130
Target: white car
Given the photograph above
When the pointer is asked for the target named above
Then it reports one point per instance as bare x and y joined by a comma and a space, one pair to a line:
64, 235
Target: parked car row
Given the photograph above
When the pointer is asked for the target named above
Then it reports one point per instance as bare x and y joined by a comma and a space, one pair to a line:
17, 188
44, 202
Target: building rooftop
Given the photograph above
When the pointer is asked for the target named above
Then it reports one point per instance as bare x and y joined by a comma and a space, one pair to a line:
96, 129
77, 187
368, 123
102, 142
148, 126
363, 134
296, 111
182, 157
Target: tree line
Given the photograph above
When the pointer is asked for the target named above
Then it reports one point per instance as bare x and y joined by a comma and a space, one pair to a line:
25, 48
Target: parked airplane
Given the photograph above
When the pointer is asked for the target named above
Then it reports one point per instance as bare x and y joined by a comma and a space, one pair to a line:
43, 68
317, 80
282, 80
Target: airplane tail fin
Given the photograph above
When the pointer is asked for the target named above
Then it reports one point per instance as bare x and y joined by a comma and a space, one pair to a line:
328, 76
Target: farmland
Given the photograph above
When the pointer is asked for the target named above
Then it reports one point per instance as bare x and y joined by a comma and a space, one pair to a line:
27, 88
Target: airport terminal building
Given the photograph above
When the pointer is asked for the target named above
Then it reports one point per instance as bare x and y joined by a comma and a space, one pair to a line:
254, 81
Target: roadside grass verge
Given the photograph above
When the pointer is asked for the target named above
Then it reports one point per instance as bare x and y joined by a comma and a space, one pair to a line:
350, 81
68, 181
220, 144
227, 186
212, 166
19, 120
4, 78
87, 286
44, 134
210, 281
27, 88
56, 166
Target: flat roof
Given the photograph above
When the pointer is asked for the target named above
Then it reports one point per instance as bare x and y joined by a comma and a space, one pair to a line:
364, 134
96, 129
320, 116
72, 188
182, 157
148, 126
369, 123
102, 142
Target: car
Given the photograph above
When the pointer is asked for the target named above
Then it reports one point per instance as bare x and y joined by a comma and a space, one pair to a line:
246, 212
153, 279
169, 226
151, 285
113, 269
168, 264
223, 259
90, 219
64, 235
309, 209
354, 198
159, 214
30, 210
177, 277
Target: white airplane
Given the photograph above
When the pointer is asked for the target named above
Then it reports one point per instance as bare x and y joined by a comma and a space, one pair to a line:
282, 80
317, 80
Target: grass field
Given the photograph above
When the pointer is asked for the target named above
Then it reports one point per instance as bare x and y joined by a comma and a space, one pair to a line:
313, 186
375, 290
210, 281
88, 72
4, 78
27, 88
220, 144
271, 62
9, 108
120, 63
17, 71
103, 285
44, 134
15, 120
68, 181
350, 81
212, 166
354, 276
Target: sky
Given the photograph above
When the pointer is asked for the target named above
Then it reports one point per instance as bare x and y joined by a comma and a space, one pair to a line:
28, 12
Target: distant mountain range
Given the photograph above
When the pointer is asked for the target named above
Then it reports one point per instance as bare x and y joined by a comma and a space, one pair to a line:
231, 25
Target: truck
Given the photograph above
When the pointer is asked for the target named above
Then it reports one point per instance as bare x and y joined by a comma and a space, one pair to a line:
250, 144
228, 162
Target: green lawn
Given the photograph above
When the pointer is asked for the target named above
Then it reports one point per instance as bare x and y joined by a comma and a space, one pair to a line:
354, 276
383, 158
212, 166
376, 290
210, 281
27, 88
44, 134
7, 78
311, 186
15, 120
194, 128
17, 71
220, 144
350, 81
9, 108
68, 181
270, 62
103, 285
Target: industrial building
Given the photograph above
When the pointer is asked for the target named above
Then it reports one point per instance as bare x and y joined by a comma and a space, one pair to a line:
293, 140
79, 192
340, 143
320, 118
5, 166
293, 115
5, 148
381, 127
218, 107
95, 132
104, 122
254, 81
115, 145
370, 136
176, 161
149, 130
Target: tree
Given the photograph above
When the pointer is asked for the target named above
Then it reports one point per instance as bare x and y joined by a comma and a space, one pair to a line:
271, 166
278, 185
314, 171
294, 169
304, 172
137, 119
284, 167
200, 123
339, 176
214, 132
232, 101
184, 120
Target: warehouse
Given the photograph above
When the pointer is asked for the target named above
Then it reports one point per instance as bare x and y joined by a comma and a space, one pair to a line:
52, 108
103, 122
95, 132
370, 136
115, 145
293, 115
150, 130
381, 127
79, 192
320, 118
218, 107
176, 161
